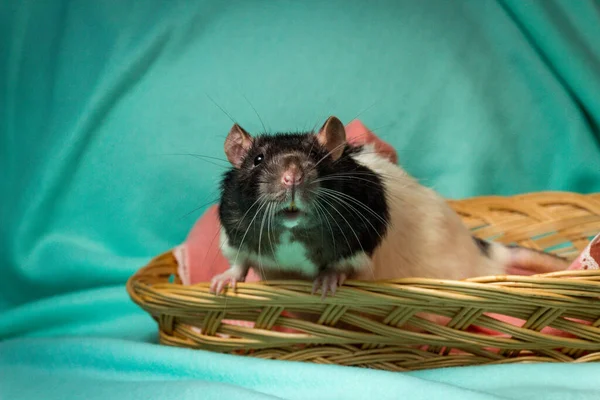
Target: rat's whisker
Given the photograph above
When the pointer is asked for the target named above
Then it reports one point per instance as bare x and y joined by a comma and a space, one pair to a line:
212, 201
342, 178
328, 154
362, 152
260, 198
349, 207
366, 133
358, 171
203, 158
312, 146
357, 202
207, 157
365, 110
247, 229
319, 209
405, 202
236, 230
321, 222
381, 127
210, 246
255, 112
348, 223
221, 108
260, 232
324, 208
351, 178
353, 210
269, 227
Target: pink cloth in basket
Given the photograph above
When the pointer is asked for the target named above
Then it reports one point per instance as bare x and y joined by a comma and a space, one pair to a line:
200, 257
587, 260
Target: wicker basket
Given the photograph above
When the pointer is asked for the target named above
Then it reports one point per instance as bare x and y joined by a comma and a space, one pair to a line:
562, 223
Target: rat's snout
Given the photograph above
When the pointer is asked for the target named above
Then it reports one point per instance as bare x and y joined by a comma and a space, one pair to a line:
292, 177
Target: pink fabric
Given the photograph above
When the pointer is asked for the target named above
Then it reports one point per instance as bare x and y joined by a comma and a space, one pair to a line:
589, 258
200, 257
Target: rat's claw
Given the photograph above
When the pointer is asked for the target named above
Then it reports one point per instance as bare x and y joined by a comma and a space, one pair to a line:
219, 282
220, 285
328, 282
316, 283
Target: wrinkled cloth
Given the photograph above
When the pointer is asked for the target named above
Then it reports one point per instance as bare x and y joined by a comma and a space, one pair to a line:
102, 101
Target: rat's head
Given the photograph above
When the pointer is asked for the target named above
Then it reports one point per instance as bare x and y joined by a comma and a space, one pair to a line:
283, 170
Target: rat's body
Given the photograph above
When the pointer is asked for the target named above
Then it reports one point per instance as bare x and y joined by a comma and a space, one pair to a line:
306, 206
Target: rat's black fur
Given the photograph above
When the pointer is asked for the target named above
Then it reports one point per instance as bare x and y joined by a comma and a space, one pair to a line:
327, 243
485, 249
483, 245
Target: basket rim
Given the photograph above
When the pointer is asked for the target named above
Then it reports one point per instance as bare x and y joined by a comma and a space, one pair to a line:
537, 288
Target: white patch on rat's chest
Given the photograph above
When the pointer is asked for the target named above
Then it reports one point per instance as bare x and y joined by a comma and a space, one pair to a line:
288, 255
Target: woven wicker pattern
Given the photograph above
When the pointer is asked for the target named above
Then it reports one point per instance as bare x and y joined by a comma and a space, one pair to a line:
375, 315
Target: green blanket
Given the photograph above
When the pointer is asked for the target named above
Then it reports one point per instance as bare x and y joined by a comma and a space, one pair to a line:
99, 100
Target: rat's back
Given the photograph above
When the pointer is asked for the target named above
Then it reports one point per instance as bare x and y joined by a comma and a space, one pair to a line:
427, 239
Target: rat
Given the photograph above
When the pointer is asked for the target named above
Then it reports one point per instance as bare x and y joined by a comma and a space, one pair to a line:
310, 206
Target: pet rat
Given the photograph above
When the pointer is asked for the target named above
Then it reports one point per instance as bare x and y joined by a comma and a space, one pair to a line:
310, 206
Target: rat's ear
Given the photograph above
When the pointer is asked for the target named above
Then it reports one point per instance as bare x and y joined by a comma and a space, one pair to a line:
237, 144
332, 136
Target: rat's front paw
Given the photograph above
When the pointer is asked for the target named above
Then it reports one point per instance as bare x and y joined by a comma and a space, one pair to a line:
231, 276
328, 281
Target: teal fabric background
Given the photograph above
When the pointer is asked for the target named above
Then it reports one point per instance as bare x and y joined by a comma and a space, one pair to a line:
478, 97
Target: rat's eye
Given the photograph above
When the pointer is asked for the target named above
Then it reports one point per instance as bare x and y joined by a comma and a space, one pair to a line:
258, 159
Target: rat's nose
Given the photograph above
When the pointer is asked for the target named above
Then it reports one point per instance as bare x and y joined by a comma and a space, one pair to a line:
292, 177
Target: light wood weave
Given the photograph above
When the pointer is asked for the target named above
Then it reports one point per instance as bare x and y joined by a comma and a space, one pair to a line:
561, 223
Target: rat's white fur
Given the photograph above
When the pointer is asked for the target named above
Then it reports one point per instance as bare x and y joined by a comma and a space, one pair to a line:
290, 256
425, 237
